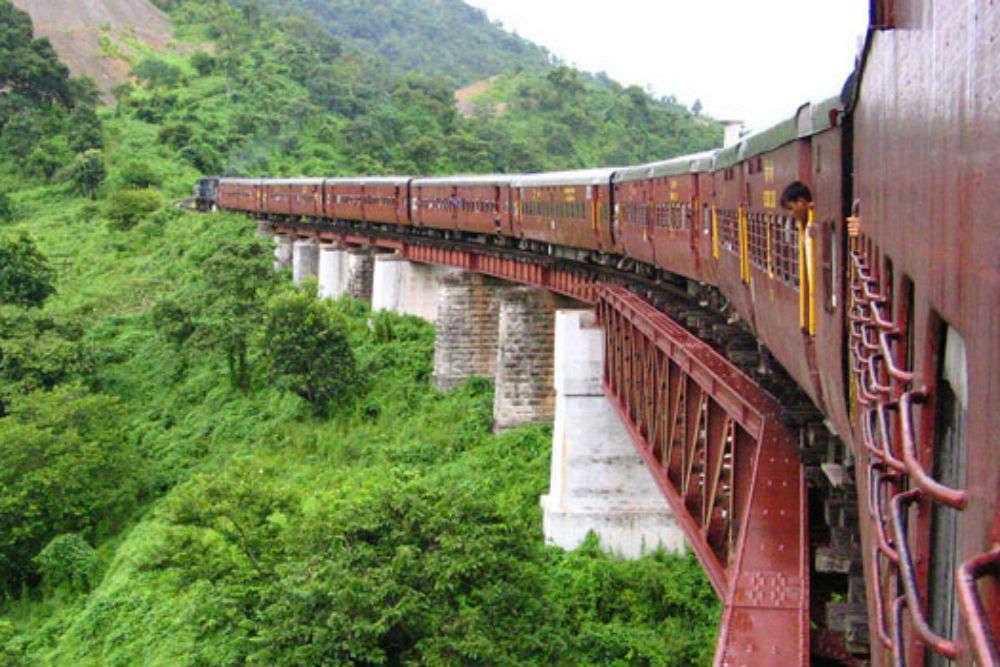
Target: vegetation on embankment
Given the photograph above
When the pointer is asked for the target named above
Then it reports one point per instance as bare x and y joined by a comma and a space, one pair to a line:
178, 488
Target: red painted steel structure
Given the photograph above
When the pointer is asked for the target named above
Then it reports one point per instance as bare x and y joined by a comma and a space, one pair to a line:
728, 468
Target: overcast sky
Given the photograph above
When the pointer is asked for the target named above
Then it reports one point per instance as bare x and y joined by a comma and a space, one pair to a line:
751, 60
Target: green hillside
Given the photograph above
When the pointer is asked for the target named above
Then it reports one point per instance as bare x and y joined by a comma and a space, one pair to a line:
445, 38
176, 489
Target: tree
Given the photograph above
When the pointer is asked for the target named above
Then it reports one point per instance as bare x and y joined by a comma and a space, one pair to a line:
84, 91
38, 351
238, 280
128, 206
85, 130
139, 174
87, 172
26, 277
65, 466
158, 73
203, 63
29, 67
307, 349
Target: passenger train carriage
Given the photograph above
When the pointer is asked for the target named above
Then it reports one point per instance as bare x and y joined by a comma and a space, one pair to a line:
893, 334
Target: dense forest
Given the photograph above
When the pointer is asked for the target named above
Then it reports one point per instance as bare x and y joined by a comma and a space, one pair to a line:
184, 484
443, 38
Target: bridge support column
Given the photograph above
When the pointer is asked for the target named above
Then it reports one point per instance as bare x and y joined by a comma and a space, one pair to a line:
523, 389
467, 325
598, 482
305, 260
283, 251
406, 287
388, 292
360, 270
332, 271
264, 230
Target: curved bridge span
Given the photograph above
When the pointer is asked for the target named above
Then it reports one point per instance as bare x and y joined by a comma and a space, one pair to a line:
712, 438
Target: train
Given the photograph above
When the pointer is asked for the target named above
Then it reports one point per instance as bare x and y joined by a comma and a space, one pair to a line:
882, 302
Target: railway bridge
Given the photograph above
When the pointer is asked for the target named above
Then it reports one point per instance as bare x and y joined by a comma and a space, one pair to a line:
659, 438
642, 276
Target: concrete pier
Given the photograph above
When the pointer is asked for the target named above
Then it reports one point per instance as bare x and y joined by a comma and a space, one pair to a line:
283, 248
467, 327
305, 260
406, 287
332, 271
388, 291
598, 481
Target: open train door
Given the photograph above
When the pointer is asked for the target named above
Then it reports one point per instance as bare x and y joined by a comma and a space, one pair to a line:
695, 222
497, 208
517, 220
594, 200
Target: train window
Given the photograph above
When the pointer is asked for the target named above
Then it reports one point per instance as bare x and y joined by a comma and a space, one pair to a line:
729, 228
785, 250
951, 409
706, 219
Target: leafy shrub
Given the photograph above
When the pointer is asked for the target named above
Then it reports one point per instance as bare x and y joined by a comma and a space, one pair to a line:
67, 560
416, 575
126, 207
308, 351
202, 157
38, 351
26, 277
203, 63
65, 466
45, 160
173, 322
139, 174
6, 208
158, 73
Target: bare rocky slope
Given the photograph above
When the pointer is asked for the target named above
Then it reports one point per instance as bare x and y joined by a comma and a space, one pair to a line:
91, 36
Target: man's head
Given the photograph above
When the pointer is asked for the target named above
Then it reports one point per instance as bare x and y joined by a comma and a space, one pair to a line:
797, 199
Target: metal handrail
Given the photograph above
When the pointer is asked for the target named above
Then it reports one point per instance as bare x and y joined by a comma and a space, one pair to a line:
908, 576
897, 373
944, 494
881, 386
981, 639
875, 510
883, 635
